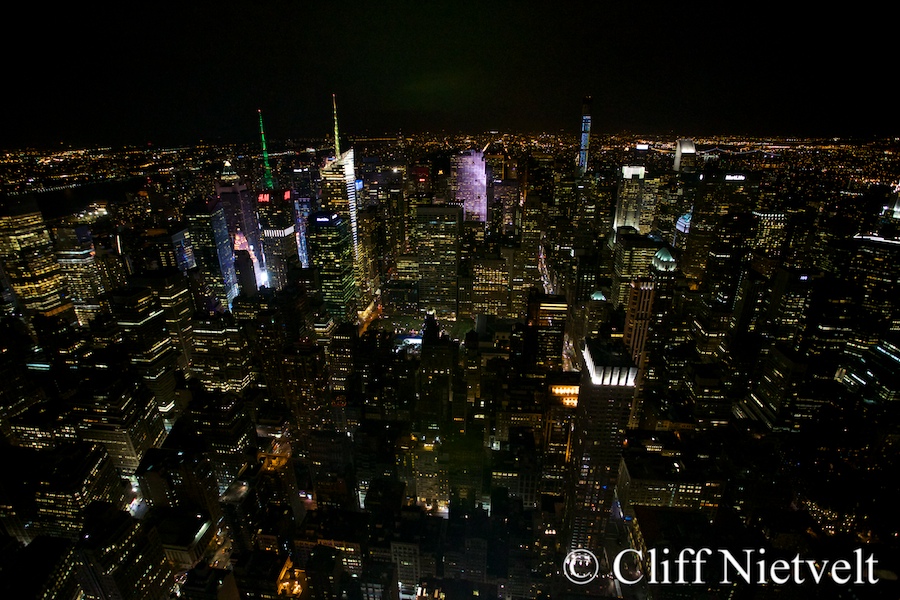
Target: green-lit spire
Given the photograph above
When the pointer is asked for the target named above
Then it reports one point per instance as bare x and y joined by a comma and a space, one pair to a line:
267, 175
337, 139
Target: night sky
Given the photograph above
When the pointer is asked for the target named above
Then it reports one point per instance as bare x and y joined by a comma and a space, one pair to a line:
170, 74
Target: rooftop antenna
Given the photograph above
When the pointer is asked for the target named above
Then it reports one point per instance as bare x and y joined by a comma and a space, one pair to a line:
337, 140
267, 174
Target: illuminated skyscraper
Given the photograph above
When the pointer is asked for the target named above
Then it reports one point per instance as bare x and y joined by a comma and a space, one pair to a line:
585, 135
685, 155
121, 557
608, 380
547, 315
221, 355
213, 250
29, 262
636, 199
331, 251
239, 205
174, 295
276, 217
143, 325
468, 183
339, 196
77, 259
438, 232
118, 412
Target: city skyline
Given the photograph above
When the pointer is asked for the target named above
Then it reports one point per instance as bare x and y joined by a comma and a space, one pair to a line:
579, 295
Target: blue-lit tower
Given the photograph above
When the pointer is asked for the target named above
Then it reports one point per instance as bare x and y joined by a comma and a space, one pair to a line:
585, 134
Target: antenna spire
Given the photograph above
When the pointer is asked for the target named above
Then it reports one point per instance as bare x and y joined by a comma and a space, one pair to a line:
267, 174
337, 139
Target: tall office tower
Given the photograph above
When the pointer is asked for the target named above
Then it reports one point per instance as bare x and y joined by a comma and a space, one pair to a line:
526, 263
638, 313
605, 394
726, 257
371, 232
239, 205
121, 557
331, 252
490, 287
302, 210
222, 422
582, 162
77, 259
559, 430
636, 199
788, 304
140, 317
547, 316
632, 256
718, 195
872, 377
118, 411
339, 196
213, 251
221, 355
29, 262
278, 223
775, 397
771, 233
834, 317
709, 402
303, 381
875, 266
183, 478
507, 205
685, 156
438, 242
174, 295
166, 248
67, 479
663, 276
468, 184
341, 358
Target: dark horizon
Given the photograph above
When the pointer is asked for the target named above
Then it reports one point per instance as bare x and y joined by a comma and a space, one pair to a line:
194, 72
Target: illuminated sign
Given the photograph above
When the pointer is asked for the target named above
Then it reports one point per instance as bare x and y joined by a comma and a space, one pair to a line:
263, 198
735, 177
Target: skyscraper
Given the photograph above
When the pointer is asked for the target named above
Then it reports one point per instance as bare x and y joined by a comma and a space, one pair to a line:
636, 199
221, 355
117, 411
140, 317
121, 557
331, 251
685, 155
438, 232
468, 183
339, 196
213, 250
239, 206
28, 260
585, 135
77, 259
604, 399
276, 217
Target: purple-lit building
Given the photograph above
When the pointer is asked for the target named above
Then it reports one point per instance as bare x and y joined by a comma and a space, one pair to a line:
468, 182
